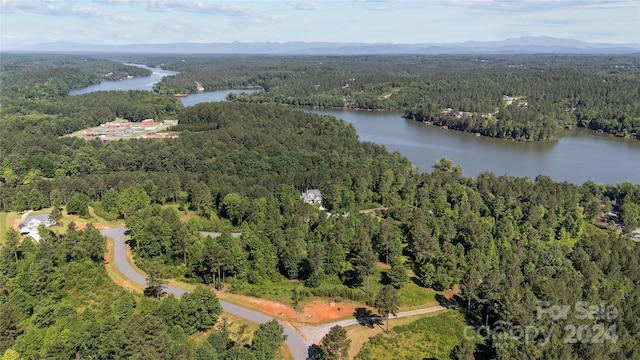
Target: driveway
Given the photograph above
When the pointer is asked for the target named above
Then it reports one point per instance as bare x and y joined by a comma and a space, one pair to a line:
298, 347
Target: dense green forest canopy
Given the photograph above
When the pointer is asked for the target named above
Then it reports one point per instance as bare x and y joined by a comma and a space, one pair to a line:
41, 76
508, 243
520, 97
56, 301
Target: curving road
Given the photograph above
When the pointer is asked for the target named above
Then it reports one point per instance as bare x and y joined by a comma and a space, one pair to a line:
315, 333
298, 347
296, 343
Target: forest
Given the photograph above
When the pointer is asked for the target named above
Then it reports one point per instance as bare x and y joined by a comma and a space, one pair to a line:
508, 244
516, 97
57, 302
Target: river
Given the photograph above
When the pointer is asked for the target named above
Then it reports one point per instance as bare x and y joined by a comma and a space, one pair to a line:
578, 156
142, 83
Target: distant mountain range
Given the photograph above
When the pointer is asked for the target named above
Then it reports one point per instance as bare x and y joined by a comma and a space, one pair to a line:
521, 45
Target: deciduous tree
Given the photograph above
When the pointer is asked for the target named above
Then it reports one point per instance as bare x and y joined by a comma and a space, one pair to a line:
267, 340
334, 345
200, 309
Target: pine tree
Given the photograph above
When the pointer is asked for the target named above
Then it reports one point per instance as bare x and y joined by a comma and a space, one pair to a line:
387, 302
397, 274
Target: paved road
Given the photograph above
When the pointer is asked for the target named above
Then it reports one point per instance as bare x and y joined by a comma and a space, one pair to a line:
299, 348
315, 333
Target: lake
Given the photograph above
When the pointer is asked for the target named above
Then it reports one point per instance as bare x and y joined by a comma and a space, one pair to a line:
578, 156
211, 96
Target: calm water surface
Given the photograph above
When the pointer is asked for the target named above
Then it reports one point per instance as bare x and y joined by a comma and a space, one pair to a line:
144, 83
578, 156
211, 96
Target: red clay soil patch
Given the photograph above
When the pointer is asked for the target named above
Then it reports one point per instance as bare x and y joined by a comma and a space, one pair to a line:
322, 311
17, 223
268, 307
82, 226
314, 312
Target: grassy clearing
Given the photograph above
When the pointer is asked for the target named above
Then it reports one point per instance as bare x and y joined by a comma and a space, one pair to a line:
432, 337
359, 335
413, 296
7, 220
103, 221
280, 291
92, 288
240, 330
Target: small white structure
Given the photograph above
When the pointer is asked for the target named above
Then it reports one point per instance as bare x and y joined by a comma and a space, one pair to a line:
24, 230
312, 196
31, 226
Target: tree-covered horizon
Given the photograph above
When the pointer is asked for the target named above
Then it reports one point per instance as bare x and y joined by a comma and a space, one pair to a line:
508, 243
464, 92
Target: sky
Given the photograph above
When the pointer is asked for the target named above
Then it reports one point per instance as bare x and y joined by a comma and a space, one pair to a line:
362, 21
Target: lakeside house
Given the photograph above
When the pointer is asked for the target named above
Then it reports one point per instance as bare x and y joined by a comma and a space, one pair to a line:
312, 196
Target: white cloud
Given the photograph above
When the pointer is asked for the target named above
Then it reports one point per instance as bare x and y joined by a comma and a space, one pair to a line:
540, 5
17, 7
240, 12
305, 5
392, 5
60, 9
124, 19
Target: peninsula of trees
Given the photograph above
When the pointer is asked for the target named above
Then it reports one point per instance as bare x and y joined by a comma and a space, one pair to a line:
517, 97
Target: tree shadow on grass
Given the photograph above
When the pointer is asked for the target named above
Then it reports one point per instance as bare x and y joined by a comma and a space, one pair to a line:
416, 280
454, 301
366, 317
386, 280
350, 279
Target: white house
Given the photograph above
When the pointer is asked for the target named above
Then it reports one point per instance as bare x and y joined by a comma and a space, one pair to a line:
31, 226
24, 230
33, 223
312, 196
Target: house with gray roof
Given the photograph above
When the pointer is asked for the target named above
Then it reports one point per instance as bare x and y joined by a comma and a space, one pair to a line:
312, 196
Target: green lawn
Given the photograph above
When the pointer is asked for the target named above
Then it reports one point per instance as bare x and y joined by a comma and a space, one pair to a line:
428, 338
411, 294
6, 221
280, 291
